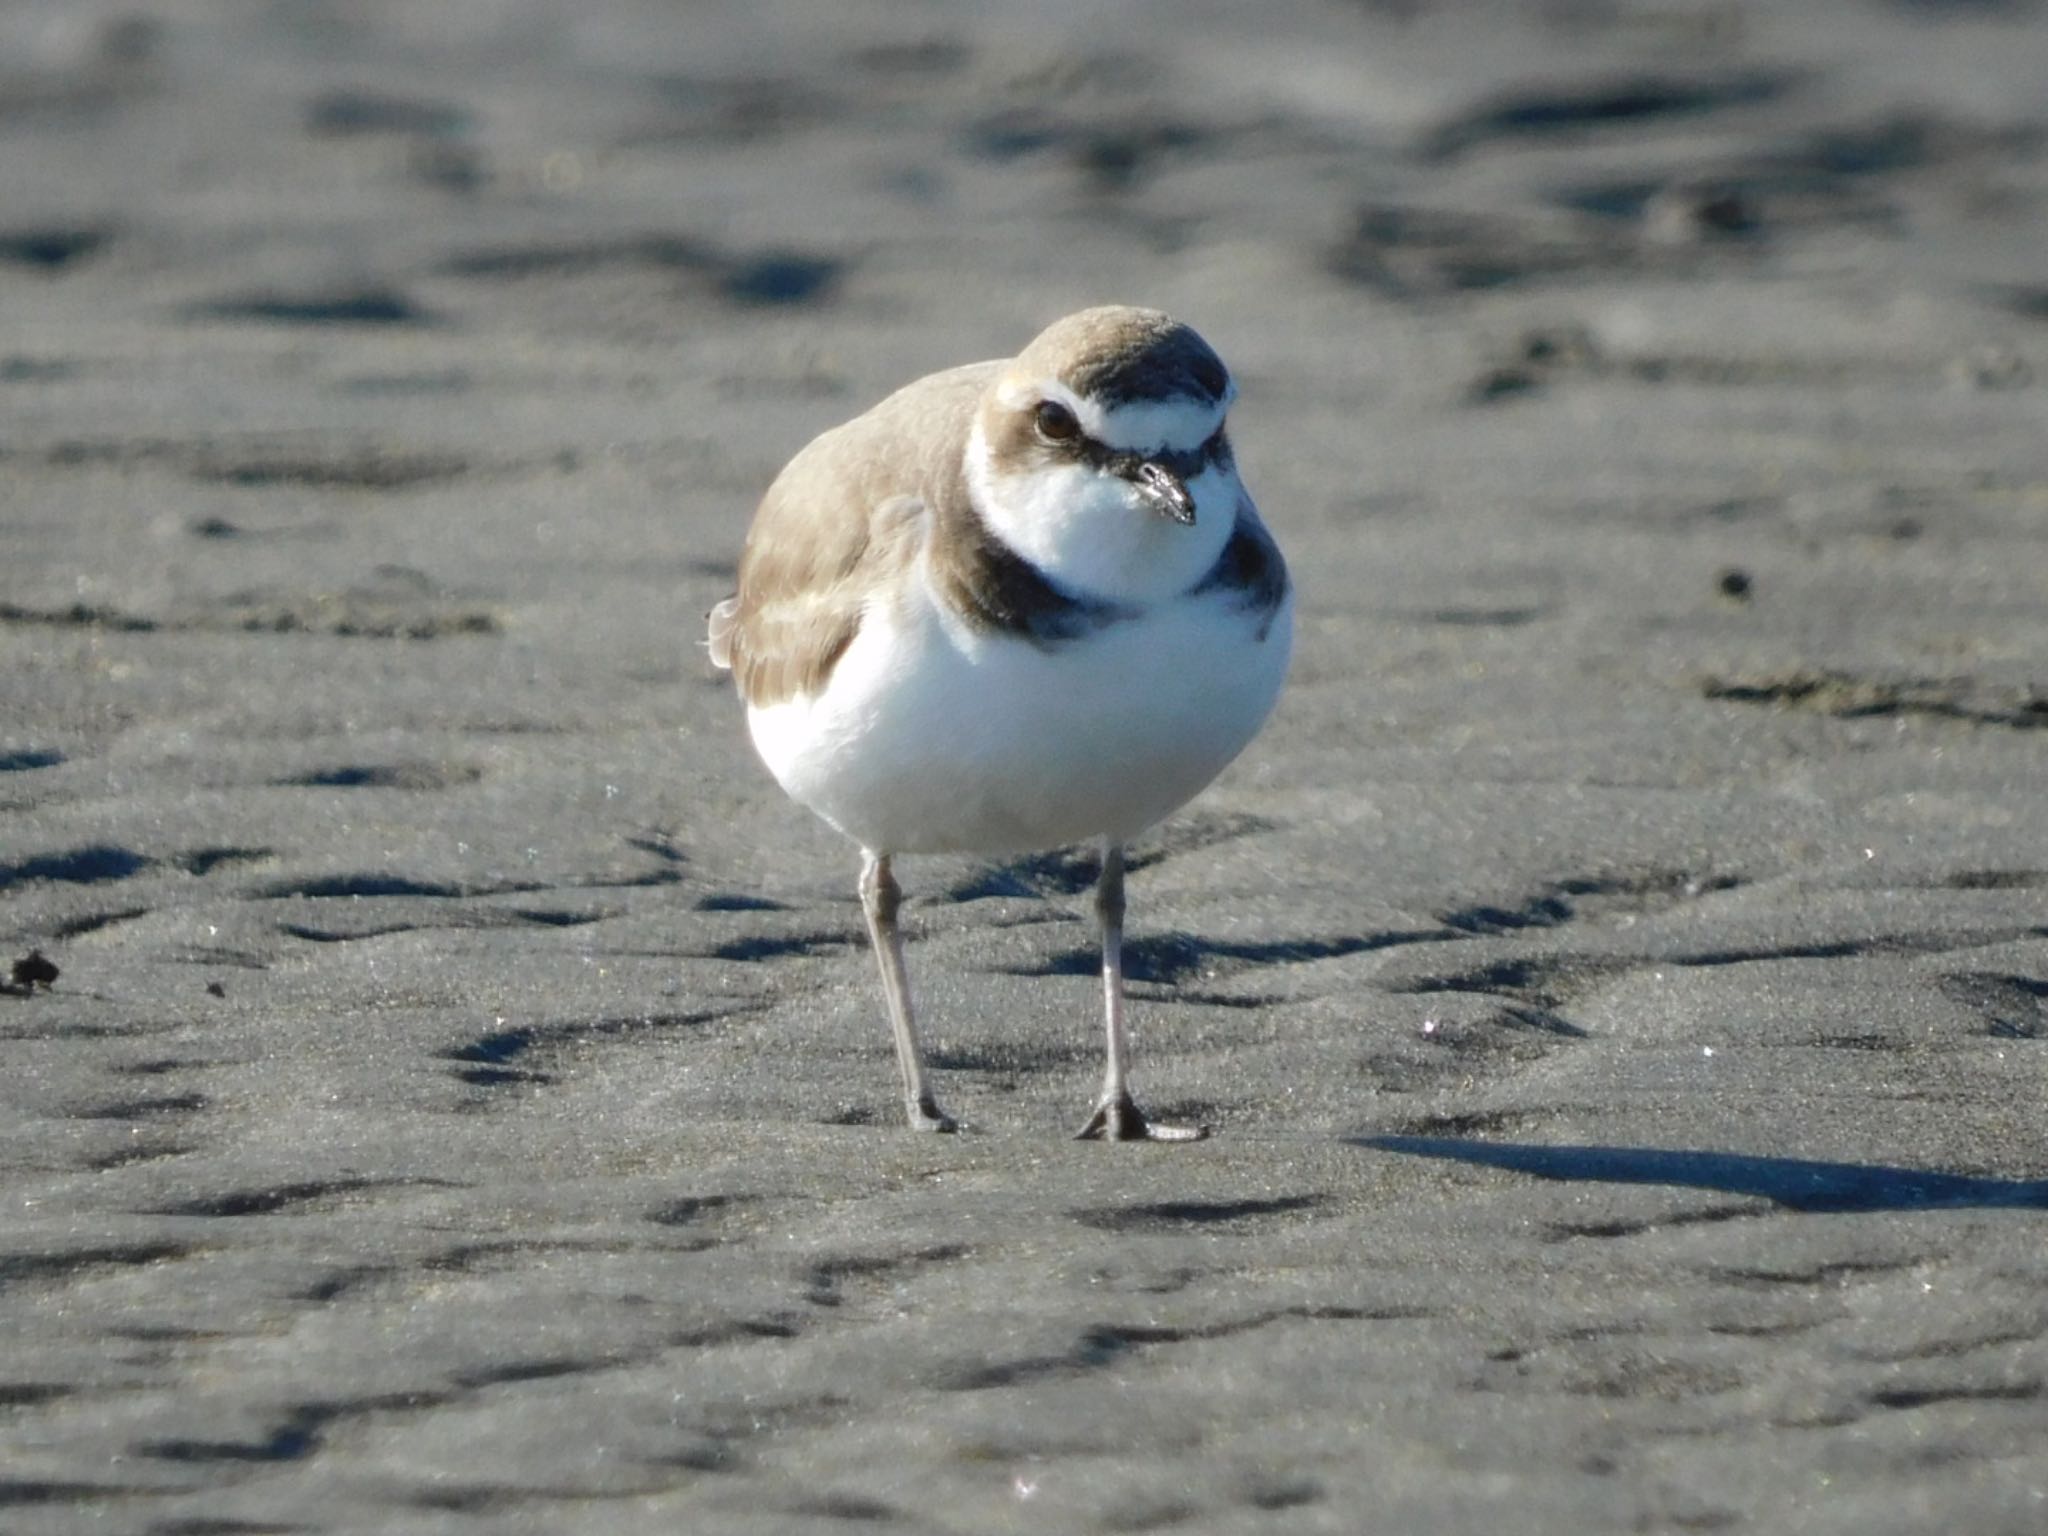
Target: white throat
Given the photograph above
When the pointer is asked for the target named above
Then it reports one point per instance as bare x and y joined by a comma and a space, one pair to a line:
1093, 534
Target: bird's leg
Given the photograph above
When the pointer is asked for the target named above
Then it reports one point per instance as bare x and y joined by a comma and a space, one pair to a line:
1117, 1116
880, 896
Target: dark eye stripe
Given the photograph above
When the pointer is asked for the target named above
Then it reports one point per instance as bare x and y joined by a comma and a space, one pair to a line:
1184, 462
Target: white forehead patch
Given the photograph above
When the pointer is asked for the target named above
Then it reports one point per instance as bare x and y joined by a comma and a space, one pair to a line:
1138, 425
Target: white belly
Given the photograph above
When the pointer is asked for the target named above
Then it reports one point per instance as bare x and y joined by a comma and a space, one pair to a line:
931, 738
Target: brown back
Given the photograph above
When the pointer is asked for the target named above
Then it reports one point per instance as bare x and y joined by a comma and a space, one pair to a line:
842, 518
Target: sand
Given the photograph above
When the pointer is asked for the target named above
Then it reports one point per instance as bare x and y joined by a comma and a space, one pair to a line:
1617, 979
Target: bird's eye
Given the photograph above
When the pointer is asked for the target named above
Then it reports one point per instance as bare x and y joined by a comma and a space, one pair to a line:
1056, 424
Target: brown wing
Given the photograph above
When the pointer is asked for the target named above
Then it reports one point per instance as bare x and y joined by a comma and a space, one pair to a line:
833, 527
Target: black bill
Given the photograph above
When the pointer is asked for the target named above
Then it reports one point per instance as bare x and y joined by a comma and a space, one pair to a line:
1165, 490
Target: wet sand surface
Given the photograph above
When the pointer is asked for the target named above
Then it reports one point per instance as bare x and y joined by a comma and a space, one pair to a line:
1617, 980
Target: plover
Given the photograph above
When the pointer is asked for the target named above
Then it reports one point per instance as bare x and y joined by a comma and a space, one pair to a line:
1016, 605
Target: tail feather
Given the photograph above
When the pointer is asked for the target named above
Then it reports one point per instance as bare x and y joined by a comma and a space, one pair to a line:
724, 620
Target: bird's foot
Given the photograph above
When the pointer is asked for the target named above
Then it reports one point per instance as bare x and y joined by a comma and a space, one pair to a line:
1118, 1118
925, 1115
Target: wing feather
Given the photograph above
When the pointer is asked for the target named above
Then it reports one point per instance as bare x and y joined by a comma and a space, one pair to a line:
831, 530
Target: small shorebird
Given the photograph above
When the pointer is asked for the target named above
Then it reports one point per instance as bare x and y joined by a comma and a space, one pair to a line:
1016, 605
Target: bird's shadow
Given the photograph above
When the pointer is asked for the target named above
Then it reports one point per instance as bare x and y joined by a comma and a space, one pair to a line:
1796, 1183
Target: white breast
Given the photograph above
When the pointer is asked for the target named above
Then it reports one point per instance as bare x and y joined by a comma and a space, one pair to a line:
932, 736
1092, 533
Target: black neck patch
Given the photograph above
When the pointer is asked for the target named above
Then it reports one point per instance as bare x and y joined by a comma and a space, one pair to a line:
997, 589
1250, 571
